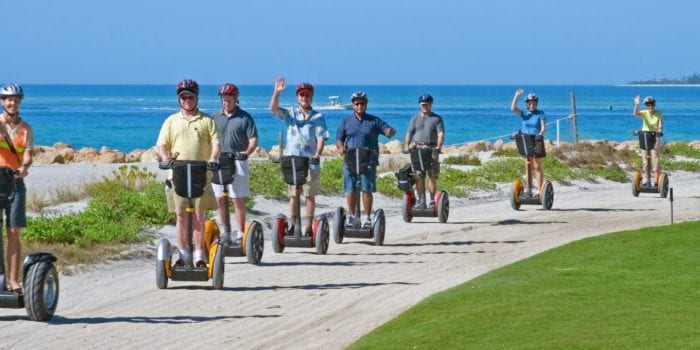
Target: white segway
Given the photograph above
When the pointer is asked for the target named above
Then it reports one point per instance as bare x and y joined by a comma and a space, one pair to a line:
647, 142
189, 181
357, 161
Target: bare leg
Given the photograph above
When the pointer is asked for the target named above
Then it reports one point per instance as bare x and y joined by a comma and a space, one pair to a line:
350, 199
367, 200
432, 187
181, 228
225, 220
198, 232
310, 207
538, 172
241, 212
13, 253
420, 187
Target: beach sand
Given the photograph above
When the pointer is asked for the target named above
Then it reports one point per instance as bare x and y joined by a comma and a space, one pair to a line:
300, 300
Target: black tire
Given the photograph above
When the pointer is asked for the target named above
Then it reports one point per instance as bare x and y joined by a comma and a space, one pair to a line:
255, 243
406, 207
339, 225
515, 195
217, 273
548, 196
161, 277
663, 190
279, 226
636, 182
322, 236
443, 207
41, 291
378, 227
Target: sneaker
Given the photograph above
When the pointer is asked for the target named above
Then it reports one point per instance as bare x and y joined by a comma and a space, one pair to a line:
351, 220
419, 205
367, 222
199, 259
432, 204
236, 237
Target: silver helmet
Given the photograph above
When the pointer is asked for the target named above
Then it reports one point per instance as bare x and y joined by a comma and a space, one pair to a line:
361, 96
11, 89
649, 100
532, 97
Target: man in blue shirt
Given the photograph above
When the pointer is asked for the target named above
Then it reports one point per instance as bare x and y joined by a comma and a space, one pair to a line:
356, 131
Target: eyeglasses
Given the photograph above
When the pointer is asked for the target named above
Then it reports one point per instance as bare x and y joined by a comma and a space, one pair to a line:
187, 97
359, 103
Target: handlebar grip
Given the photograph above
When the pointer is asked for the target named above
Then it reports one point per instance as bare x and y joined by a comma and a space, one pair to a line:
213, 166
165, 164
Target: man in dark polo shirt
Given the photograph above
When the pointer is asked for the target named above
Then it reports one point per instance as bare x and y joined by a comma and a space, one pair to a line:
238, 134
426, 128
355, 131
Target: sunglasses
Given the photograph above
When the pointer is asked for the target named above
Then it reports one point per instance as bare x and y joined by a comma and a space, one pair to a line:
359, 103
187, 97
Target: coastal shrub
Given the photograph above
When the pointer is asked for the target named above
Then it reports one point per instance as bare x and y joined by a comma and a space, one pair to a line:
612, 173
506, 152
332, 176
681, 149
676, 165
462, 159
266, 179
386, 185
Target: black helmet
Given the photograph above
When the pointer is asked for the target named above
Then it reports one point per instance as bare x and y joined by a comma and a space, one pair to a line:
188, 85
425, 98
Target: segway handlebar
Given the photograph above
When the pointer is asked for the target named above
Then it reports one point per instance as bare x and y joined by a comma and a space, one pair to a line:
655, 133
171, 163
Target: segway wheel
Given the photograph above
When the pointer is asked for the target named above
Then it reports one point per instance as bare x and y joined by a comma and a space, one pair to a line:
636, 183
161, 275
663, 185
339, 225
41, 291
321, 234
279, 227
407, 207
515, 196
443, 206
211, 233
378, 227
217, 265
254, 242
548, 196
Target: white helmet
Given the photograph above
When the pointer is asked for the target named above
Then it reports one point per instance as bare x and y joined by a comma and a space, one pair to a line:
11, 89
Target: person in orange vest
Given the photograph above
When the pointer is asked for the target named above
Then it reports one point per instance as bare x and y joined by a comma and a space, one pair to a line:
16, 144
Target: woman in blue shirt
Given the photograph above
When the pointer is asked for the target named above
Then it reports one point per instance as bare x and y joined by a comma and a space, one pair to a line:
533, 123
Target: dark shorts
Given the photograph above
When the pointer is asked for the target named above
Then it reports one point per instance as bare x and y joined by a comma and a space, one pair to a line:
539, 151
16, 212
368, 180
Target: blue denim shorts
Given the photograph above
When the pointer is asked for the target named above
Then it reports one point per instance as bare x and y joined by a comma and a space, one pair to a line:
368, 180
16, 212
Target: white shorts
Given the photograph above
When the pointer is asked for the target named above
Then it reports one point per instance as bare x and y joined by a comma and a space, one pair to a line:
240, 188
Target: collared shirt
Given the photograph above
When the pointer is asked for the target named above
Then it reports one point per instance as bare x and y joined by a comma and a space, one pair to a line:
22, 137
532, 122
303, 132
650, 122
192, 139
235, 131
362, 132
425, 128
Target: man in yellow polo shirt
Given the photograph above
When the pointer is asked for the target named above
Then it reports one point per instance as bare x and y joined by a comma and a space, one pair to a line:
189, 135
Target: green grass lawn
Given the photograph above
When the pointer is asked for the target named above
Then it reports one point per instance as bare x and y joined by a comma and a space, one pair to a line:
626, 290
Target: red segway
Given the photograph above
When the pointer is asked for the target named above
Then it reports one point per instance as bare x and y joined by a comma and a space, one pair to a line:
647, 142
520, 195
421, 161
290, 234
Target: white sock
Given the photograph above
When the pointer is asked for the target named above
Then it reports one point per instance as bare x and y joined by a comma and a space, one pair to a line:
198, 255
183, 255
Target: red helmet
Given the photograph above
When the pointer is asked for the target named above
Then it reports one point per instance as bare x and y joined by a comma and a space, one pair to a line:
188, 85
228, 89
305, 87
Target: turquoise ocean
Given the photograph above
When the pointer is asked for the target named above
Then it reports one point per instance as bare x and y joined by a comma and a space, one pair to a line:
128, 117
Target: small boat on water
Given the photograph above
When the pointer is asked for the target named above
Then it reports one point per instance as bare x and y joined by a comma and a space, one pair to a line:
334, 103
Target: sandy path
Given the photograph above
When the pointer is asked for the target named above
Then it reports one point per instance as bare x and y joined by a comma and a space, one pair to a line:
301, 300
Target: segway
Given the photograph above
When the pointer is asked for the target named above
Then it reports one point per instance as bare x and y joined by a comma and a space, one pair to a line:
285, 234
189, 181
647, 142
40, 278
421, 161
520, 195
253, 241
357, 161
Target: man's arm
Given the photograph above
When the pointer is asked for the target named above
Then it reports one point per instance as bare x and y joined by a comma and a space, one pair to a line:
252, 145
275, 99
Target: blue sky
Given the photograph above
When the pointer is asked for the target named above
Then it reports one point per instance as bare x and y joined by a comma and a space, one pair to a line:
349, 42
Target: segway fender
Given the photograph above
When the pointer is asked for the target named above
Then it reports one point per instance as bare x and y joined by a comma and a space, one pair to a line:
34, 258
165, 250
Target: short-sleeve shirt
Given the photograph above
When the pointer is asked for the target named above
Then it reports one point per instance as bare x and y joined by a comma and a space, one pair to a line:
303, 132
425, 128
650, 122
235, 131
362, 132
192, 139
532, 122
22, 137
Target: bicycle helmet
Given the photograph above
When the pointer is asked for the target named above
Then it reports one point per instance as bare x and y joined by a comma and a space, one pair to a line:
649, 100
532, 97
228, 89
425, 98
305, 87
188, 85
12, 89
359, 96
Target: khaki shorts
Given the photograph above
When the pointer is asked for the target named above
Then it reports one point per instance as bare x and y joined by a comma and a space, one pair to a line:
177, 204
312, 187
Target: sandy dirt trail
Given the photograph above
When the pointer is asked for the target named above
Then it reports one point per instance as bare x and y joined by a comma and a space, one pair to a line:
300, 300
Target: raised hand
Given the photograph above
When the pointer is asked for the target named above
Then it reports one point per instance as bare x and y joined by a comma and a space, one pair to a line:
519, 92
636, 99
279, 84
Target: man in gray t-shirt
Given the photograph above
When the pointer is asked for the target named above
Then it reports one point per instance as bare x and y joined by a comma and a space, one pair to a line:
426, 129
238, 134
